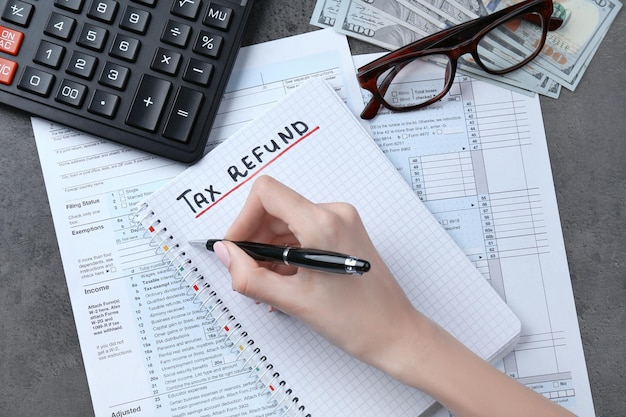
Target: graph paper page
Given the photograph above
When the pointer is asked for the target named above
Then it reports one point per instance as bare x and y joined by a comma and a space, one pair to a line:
330, 157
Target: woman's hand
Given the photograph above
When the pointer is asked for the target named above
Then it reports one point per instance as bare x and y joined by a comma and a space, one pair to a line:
362, 315
369, 316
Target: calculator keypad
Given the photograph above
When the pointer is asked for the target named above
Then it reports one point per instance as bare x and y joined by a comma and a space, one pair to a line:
152, 71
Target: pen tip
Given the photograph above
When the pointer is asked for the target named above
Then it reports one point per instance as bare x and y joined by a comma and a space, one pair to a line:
206, 243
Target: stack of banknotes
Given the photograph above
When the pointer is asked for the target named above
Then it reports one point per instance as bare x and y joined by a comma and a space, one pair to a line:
391, 24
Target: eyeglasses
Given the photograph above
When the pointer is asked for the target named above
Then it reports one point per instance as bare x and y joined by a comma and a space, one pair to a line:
499, 43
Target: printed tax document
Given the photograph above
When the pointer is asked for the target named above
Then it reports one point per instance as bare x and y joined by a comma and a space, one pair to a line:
131, 342
479, 161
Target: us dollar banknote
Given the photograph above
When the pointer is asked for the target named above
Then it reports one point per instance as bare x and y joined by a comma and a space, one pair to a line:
451, 11
567, 49
359, 21
424, 22
325, 13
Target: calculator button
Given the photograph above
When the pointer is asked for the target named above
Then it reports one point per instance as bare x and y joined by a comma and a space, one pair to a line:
176, 34
60, 26
114, 75
125, 47
71, 5
7, 71
71, 93
135, 20
166, 61
218, 16
208, 44
10, 40
82, 65
18, 12
183, 114
198, 72
103, 10
36, 81
92, 37
49, 54
148, 103
150, 3
186, 8
104, 104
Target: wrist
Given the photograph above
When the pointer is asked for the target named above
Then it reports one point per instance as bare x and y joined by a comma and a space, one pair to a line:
414, 346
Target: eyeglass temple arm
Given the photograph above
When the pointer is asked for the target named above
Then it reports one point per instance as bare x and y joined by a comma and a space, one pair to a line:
466, 30
453, 35
553, 23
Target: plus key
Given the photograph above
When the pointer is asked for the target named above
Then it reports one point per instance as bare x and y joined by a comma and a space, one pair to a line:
147, 106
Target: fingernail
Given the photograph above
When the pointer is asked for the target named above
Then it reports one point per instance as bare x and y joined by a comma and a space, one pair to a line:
222, 253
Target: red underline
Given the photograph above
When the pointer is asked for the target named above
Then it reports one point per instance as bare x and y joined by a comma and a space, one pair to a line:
270, 162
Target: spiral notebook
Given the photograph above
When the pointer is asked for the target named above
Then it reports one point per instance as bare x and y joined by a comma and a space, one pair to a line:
311, 142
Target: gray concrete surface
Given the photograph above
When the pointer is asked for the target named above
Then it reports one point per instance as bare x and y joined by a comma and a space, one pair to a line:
41, 370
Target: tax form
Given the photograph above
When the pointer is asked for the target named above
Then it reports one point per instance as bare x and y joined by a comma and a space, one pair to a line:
479, 161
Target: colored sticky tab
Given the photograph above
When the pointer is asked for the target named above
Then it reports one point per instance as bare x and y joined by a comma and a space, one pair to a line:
10, 40
7, 71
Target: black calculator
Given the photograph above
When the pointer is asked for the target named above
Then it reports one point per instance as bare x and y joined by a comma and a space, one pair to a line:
145, 73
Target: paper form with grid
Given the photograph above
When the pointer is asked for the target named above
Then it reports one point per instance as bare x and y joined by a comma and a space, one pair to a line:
335, 159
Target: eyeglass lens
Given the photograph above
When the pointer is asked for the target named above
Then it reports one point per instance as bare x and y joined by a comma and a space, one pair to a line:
418, 81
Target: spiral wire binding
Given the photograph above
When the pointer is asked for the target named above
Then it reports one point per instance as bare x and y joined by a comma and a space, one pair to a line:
207, 299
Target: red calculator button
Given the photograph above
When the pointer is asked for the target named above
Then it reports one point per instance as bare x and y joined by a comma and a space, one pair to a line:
7, 71
10, 40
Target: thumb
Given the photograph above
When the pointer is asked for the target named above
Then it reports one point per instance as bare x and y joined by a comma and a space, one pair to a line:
250, 279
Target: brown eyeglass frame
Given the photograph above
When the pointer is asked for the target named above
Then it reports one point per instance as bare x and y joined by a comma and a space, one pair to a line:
452, 42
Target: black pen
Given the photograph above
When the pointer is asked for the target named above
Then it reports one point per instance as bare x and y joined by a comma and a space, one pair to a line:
316, 259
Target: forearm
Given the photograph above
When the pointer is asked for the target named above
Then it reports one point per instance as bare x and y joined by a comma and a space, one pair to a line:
469, 386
